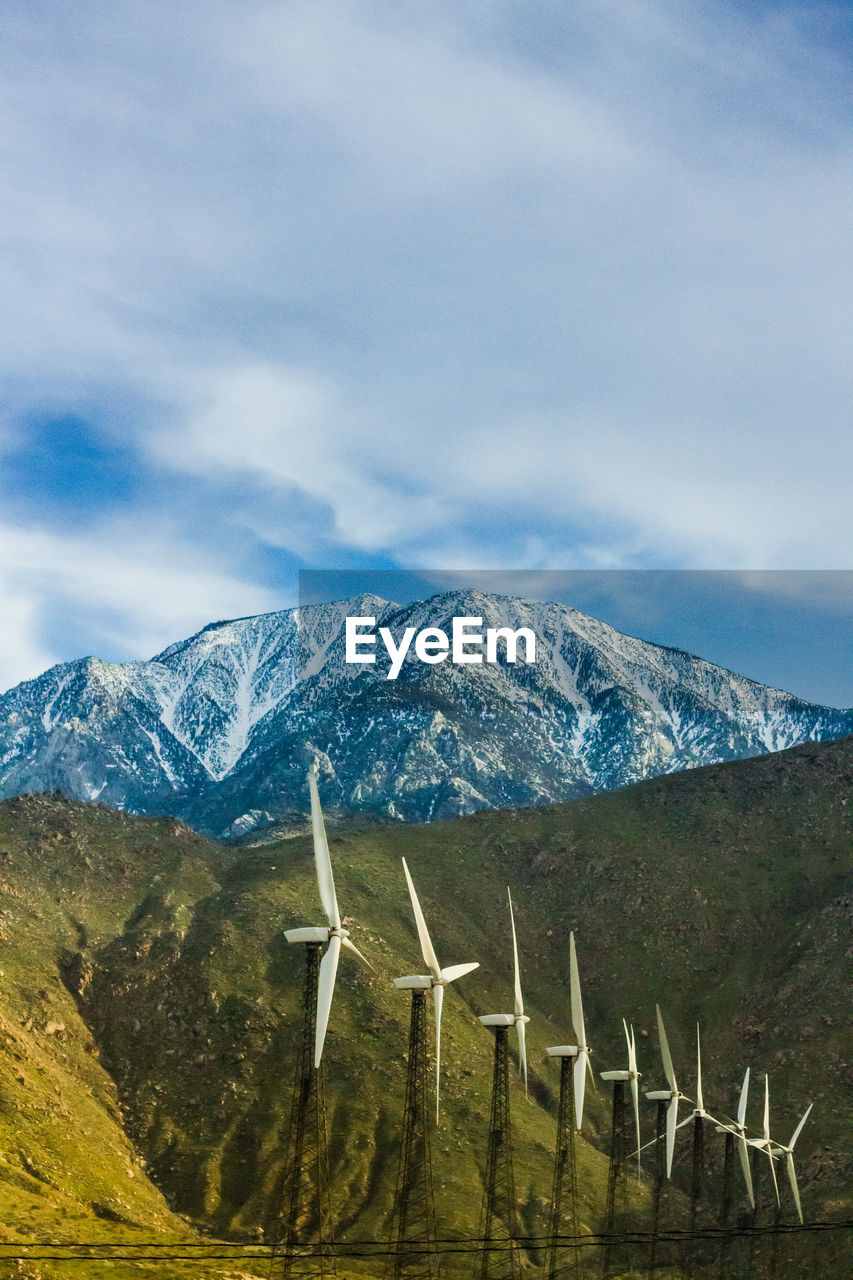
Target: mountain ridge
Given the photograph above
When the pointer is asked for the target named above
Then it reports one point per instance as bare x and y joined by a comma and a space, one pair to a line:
217, 728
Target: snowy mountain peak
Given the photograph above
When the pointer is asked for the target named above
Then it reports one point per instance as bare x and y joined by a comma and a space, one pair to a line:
223, 723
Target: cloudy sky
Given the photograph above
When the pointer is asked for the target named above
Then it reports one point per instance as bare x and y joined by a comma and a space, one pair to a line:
483, 283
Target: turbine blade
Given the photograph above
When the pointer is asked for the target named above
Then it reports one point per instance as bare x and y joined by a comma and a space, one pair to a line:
773, 1171
522, 1051
792, 1178
454, 971
700, 1104
767, 1109
325, 991
671, 1126
322, 861
438, 1003
635, 1085
745, 1166
632, 1048
519, 1003
426, 946
350, 946
575, 992
741, 1106
668, 1069
799, 1127
579, 1072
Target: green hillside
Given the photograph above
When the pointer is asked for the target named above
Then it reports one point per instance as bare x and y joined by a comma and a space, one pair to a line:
149, 1002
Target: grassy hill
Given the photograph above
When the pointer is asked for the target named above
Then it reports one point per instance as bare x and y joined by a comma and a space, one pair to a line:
149, 1002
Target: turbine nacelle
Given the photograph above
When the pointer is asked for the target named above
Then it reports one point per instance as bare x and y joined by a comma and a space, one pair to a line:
414, 982
498, 1019
309, 934
318, 934
562, 1051
615, 1075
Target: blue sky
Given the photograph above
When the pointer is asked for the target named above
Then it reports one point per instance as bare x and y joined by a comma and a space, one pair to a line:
369, 285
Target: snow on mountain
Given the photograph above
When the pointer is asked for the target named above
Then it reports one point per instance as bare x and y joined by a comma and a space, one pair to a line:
218, 728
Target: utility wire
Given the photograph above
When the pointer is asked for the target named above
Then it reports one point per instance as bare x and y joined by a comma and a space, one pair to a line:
378, 1249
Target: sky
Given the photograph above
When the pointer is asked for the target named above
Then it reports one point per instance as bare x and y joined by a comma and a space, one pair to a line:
359, 285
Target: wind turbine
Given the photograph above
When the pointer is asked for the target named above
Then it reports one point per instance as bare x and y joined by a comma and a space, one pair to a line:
498, 1213
519, 1015
335, 934
788, 1152
305, 1195
617, 1181
671, 1095
582, 1063
634, 1077
764, 1143
737, 1129
437, 978
699, 1115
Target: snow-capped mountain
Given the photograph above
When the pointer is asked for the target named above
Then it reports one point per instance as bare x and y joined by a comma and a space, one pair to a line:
217, 729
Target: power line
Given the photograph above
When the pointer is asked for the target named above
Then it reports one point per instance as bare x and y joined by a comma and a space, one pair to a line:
380, 1248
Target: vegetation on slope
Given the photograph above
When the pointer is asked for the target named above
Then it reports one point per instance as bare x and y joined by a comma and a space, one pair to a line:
718, 892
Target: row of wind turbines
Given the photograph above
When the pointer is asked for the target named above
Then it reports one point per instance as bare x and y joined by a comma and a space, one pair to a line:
334, 937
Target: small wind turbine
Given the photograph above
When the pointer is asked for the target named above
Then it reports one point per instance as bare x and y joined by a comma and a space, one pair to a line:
304, 1213
582, 1063
519, 1015
633, 1075
437, 978
788, 1152
699, 1115
617, 1178
738, 1130
519, 1018
497, 1221
764, 1143
670, 1096
335, 935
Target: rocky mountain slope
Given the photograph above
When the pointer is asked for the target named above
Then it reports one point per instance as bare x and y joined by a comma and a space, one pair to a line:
217, 729
720, 892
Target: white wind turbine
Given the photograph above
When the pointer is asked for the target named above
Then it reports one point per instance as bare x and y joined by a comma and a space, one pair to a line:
670, 1095
437, 978
518, 1018
519, 1015
738, 1128
335, 934
633, 1075
788, 1152
582, 1064
699, 1112
764, 1143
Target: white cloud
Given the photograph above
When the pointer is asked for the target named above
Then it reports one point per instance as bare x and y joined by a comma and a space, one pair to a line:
287, 428
143, 588
566, 289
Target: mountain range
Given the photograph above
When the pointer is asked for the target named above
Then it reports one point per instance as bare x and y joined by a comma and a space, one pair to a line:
218, 729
